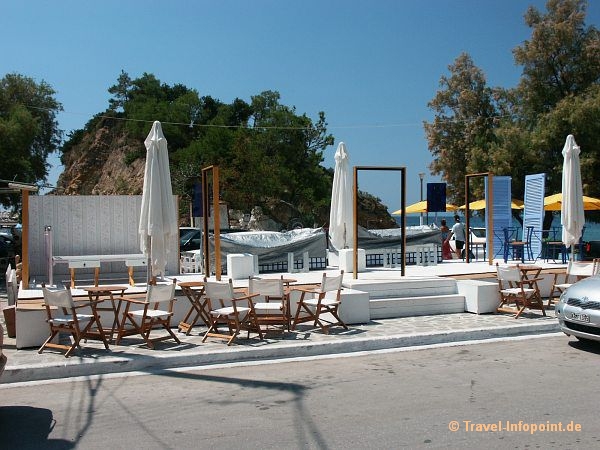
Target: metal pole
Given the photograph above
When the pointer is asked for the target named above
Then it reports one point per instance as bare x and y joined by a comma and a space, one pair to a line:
49, 262
421, 176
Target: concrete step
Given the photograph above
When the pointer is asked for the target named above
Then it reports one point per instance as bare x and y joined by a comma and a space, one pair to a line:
406, 287
423, 305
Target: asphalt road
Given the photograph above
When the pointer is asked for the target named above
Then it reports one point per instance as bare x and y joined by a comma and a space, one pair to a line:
384, 400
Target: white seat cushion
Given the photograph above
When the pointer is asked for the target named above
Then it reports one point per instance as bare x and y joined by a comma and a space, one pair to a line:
271, 306
153, 313
68, 319
563, 285
325, 301
517, 291
227, 311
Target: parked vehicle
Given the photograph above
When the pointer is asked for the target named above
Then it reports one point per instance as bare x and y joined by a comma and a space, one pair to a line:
578, 310
189, 239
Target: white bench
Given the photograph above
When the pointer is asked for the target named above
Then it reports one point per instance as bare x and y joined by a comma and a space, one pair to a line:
94, 261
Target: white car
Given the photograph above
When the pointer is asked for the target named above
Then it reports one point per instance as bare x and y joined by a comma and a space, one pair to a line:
578, 310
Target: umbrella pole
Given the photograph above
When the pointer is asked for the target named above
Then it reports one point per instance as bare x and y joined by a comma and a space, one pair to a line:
149, 264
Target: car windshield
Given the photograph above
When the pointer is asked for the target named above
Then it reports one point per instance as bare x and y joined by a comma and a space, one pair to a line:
187, 235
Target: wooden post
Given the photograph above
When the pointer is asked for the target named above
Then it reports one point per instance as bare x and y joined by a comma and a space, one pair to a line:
217, 222
355, 225
205, 210
25, 238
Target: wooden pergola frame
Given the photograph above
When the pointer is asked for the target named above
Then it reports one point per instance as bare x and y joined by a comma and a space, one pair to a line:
402, 171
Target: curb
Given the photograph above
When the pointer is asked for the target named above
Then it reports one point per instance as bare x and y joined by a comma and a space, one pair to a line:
73, 367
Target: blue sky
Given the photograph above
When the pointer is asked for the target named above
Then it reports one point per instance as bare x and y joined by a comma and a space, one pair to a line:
370, 65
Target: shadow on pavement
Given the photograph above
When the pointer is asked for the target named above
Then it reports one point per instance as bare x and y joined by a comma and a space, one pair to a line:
25, 427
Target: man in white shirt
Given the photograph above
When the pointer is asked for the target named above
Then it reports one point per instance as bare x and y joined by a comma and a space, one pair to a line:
458, 231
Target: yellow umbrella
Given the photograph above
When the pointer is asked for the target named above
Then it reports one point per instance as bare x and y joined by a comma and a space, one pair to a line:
421, 207
554, 202
480, 204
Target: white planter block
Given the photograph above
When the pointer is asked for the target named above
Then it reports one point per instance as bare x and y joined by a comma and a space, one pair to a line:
346, 256
354, 307
480, 296
240, 265
30, 326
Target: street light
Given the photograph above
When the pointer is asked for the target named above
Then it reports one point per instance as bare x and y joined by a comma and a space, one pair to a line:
421, 176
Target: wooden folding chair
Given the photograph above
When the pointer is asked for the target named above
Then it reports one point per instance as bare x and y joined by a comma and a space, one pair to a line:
314, 304
575, 271
63, 317
148, 316
227, 308
271, 303
514, 289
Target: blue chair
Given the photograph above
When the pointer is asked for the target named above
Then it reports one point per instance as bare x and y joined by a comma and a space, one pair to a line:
552, 246
520, 248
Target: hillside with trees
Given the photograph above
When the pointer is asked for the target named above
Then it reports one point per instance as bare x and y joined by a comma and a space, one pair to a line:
268, 155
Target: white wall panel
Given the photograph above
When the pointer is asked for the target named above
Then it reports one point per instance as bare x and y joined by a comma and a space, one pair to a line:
87, 225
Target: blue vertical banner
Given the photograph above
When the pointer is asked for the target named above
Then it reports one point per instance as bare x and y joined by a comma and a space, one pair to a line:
197, 200
436, 197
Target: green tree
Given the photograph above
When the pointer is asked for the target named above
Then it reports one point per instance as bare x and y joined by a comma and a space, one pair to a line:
562, 57
577, 115
146, 99
28, 130
269, 157
556, 96
462, 131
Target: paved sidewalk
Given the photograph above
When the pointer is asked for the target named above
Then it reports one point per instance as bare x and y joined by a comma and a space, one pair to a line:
27, 365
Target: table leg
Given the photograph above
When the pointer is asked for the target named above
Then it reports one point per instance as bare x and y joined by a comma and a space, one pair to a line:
116, 325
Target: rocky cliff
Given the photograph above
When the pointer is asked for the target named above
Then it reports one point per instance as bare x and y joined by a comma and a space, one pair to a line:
100, 162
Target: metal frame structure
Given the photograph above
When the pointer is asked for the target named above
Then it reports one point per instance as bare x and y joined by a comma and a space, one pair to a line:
402, 171
489, 211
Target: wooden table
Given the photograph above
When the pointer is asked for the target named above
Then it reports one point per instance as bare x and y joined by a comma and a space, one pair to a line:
96, 292
194, 291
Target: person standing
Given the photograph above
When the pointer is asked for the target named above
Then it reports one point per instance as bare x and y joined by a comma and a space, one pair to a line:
458, 231
446, 250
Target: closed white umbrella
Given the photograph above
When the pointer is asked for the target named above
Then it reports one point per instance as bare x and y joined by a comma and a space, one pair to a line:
572, 216
341, 225
158, 218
